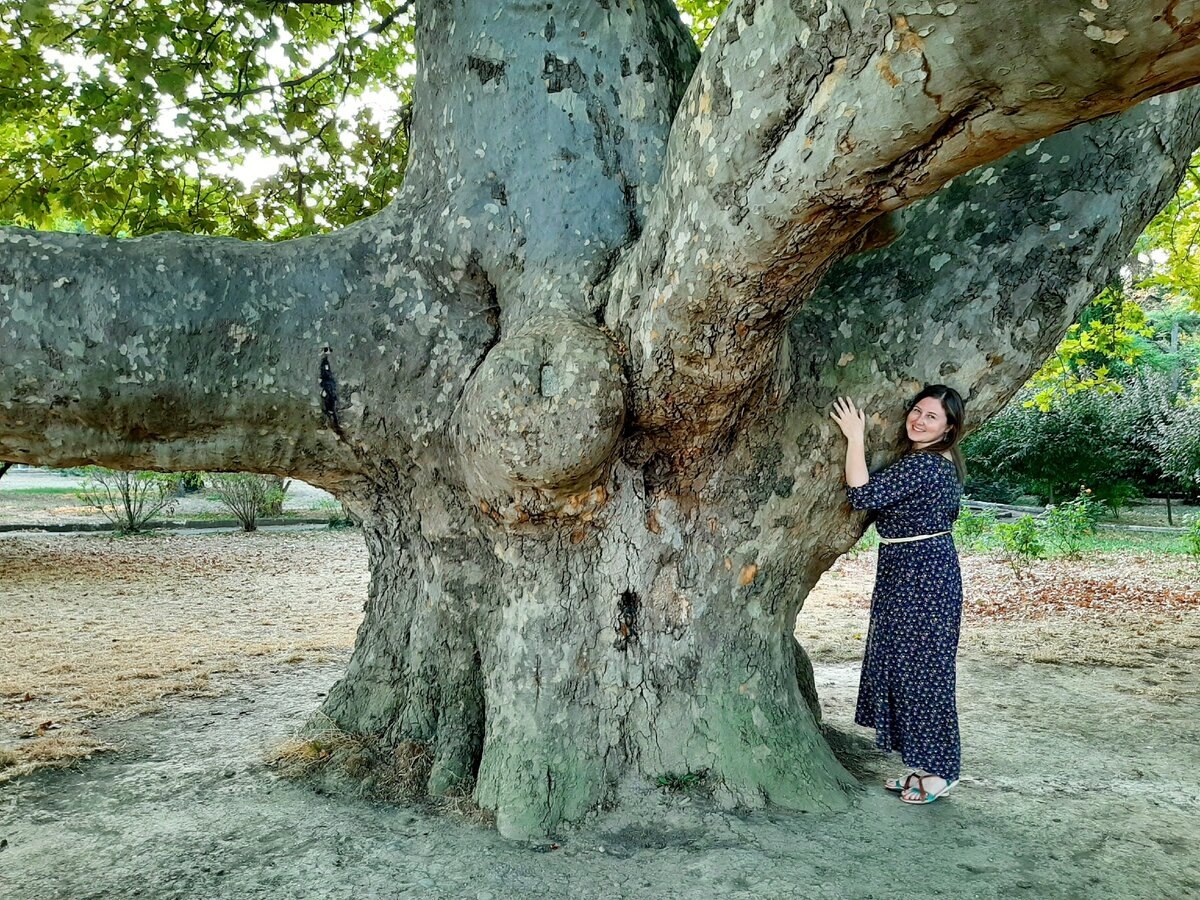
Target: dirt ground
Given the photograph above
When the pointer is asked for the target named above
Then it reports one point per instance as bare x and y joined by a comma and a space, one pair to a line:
190, 657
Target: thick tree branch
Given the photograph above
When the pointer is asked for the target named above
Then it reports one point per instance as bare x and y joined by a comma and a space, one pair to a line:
185, 353
585, 93
805, 121
987, 274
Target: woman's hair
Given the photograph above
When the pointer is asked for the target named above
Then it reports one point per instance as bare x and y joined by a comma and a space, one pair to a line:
956, 418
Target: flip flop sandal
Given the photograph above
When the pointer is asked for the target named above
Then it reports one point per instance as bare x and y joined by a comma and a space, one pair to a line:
899, 784
923, 796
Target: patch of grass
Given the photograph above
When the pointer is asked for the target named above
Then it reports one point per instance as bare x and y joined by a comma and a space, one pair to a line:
1103, 541
60, 751
680, 782
39, 491
869, 541
1113, 541
397, 774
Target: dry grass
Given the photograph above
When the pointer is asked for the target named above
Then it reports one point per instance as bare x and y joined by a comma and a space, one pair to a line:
92, 627
397, 774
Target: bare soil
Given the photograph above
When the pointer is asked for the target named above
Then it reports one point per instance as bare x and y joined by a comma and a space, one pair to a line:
191, 657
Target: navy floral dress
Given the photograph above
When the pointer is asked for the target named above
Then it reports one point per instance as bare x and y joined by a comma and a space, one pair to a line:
906, 692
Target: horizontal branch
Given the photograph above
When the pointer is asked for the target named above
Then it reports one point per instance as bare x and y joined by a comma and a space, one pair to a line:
172, 352
806, 121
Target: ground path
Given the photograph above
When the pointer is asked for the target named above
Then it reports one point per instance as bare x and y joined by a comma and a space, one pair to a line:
1079, 769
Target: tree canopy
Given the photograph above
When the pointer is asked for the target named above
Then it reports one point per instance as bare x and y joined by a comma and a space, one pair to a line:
261, 119
135, 117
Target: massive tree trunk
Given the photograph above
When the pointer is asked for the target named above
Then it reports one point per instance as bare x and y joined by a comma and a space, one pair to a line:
575, 380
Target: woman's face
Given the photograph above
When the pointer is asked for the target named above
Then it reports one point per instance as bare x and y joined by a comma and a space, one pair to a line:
927, 423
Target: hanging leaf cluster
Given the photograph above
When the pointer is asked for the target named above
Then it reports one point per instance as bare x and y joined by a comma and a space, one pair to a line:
133, 116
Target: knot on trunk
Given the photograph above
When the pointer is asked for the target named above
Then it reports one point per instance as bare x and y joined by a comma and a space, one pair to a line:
540, 420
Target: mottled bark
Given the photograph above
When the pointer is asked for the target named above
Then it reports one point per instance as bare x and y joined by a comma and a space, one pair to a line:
982, 280
562, 378
806, 121
552, 668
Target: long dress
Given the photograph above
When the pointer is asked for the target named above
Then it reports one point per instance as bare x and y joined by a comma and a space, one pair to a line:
906, 692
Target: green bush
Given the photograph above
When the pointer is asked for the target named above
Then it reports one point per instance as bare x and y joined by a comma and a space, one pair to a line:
973, 530
1022, 543
1192, 536
1071, 523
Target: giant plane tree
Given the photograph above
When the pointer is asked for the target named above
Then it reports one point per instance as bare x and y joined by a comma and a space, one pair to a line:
575, 378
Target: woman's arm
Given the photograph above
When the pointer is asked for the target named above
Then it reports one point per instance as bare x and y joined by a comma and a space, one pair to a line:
853, 423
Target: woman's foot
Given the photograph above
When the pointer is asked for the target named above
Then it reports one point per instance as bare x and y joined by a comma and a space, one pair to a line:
925, 787
900, 782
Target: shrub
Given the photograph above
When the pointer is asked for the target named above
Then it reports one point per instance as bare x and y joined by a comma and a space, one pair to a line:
972, 530
990, 490
1021, 542
129, 500
248, 497
1072, 522
190, 482
1192, 536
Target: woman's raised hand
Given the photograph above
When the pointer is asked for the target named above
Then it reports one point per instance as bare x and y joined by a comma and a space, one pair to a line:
849, 418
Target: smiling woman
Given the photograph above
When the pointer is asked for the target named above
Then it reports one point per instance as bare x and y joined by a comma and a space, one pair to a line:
907, 691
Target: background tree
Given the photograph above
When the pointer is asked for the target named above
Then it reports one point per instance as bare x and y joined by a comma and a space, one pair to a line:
575, 378
132, 118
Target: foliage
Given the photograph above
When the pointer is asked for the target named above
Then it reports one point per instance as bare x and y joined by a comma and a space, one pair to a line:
254, 119
1192, 537
1070, 523
1172, 242
988, 488
701, 16
1050, 453
1178, 442
340, 514
677, 782
129, 500
973, 529
1021, 542
190, 482
1102, 346
248, 497
130, 118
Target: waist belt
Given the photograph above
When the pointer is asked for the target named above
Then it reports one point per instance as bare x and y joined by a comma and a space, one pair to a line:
915, 537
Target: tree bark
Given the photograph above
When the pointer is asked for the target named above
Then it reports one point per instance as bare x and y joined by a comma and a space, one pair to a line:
574, 381
551, 669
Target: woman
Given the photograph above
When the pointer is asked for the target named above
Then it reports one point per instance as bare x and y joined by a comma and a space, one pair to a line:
906, 692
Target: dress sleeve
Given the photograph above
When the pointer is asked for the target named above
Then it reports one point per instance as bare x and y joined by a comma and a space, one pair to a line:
888, 487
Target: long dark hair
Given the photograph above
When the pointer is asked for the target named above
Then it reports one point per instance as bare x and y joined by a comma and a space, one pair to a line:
956, 417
